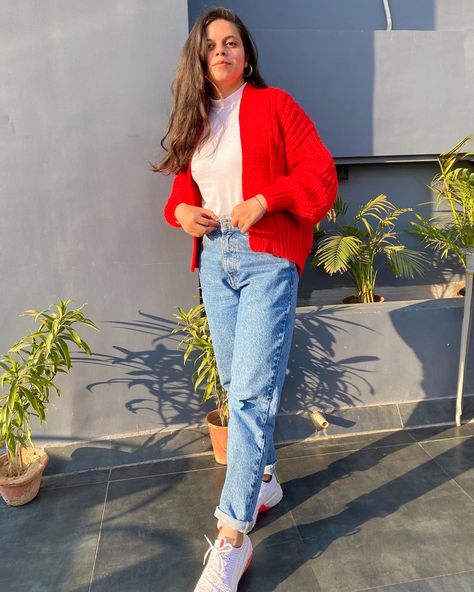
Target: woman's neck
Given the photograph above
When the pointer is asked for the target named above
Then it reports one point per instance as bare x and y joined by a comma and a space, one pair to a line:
222, 93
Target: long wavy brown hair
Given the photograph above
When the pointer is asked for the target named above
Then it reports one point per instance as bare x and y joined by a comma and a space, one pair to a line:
192, 91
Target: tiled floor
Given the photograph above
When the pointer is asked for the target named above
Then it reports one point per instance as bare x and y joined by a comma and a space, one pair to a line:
391, 512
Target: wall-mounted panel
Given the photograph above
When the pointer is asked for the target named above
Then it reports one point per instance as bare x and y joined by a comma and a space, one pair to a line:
371, 92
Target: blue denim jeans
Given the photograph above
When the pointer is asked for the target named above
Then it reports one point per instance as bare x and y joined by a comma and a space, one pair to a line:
250, 301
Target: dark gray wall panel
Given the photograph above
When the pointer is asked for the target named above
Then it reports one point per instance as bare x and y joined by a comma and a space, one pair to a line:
370, 91
363, 15
346, 15
406, 186
376, 93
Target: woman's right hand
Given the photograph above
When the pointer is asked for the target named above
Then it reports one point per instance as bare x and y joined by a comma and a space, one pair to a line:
194, 220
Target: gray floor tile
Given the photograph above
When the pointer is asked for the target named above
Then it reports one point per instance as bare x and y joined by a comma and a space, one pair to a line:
279, 568
342, 422
273, 568
73, 479
126, 450
442, 432
161, 571
314, 447
275, 526
148, 521
295, 427
391, 513
78, 457
420, 413
456, 457
161, 445
163, 467
463, 582
467, 408
49, 544
363, 419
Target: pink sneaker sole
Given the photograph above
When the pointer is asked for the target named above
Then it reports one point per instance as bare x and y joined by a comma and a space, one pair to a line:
276, 499
247, 564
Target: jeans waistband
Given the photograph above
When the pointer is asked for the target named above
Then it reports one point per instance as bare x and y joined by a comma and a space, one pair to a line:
225, 226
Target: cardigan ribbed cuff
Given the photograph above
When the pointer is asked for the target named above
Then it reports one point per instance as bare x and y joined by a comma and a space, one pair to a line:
277, 199
169, 216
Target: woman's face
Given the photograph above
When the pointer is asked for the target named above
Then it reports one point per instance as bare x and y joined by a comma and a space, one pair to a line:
225, 56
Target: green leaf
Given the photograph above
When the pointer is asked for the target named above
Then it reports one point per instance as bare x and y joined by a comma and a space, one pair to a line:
75, 336
208, 392
48, 342
405, 262
201, 377
336, 252
37, 406
62, 345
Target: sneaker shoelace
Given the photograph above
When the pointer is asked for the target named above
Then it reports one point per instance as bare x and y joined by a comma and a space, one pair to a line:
214, 573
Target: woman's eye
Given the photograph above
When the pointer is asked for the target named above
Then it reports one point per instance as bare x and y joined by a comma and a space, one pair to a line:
231, 43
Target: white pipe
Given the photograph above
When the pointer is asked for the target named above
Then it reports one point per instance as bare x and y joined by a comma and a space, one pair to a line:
465, 332
388, 14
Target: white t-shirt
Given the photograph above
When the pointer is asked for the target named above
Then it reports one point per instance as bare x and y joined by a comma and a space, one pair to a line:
216, 166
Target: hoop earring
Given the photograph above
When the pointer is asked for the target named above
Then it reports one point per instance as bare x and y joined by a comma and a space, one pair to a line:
250, 73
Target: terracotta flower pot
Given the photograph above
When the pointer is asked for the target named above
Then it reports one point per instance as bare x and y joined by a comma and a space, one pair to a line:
17, 491
218, 434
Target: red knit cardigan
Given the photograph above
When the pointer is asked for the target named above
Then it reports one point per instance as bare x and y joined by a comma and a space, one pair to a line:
284, 159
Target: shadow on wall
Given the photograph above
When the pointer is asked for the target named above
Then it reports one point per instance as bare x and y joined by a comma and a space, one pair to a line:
432, 330
160, 370
316, 380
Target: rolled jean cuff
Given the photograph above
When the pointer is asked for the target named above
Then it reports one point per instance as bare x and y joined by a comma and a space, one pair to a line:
239, 525
269, 469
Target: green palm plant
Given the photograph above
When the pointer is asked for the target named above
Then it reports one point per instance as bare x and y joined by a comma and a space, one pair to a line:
355, 247
28, 375
197, 338
453, 186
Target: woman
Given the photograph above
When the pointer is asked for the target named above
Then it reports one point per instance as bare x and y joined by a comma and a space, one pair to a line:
252, 179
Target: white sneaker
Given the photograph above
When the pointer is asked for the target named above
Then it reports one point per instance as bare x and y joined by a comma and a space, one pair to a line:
225, 567
269, 496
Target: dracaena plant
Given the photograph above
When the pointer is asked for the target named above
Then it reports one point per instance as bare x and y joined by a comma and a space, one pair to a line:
364, 243
453, 187
29, 369
197, 340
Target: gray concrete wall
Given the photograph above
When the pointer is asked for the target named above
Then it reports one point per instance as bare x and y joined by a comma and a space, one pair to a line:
358, 355
84, 102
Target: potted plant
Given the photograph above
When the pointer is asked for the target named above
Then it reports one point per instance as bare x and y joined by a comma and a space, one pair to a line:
454, 187
364, 243
29, 370
197, 338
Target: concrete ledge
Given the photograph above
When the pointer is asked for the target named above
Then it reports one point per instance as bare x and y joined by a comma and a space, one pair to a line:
408, 292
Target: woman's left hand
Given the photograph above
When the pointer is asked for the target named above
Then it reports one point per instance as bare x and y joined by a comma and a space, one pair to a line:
246, 214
